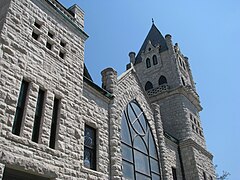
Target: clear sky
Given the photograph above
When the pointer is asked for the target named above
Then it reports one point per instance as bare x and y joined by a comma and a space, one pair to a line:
208, 32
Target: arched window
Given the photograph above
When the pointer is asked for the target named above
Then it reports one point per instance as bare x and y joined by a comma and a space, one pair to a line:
148, 86
139, 154
148, 63
183, 82
162, 80
154, 60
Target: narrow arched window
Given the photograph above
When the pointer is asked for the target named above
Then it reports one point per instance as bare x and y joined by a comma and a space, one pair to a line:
154, 60
148, 86
162, 80
139, 154
148, 63
183, 82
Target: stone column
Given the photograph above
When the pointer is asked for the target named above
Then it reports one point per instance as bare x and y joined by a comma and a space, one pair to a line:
132, 57
115, 142
2, 166
109, 79
161, 141
109, 83
169, 42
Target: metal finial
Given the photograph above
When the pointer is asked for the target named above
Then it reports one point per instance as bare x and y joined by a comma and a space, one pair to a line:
152, 21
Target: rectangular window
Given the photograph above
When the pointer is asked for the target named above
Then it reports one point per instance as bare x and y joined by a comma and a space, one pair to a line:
38, 25
17, 124
54, 124
174, 173
90, 147
49, 45
38, 116
61, 54
50, 34
35, 35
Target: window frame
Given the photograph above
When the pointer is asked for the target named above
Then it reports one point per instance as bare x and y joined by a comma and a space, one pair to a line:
149, 143
148, 63
93, 150
21, 108
148, 86
162, 80
55, 122
155, 61
39, 115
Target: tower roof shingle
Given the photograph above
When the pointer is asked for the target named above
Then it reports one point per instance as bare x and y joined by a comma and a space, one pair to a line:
156, 38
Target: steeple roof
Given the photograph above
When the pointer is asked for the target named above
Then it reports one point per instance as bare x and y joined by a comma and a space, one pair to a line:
156, 38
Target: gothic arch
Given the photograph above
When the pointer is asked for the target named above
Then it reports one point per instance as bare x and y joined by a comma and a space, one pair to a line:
148, 63
148, 86
162, 80
139, 152
155, 61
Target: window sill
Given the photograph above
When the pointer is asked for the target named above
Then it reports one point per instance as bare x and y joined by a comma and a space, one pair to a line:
92, 172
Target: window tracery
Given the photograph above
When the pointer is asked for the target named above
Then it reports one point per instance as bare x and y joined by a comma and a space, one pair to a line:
139, 154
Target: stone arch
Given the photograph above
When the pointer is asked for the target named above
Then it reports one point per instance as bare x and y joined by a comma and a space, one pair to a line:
155, 61
148, 63
148, 86
139, 151
162, 80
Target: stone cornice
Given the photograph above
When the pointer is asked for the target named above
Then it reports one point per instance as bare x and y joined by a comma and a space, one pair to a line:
187, 91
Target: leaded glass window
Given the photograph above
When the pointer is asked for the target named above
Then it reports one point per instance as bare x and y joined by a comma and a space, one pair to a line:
90, 147
139, 154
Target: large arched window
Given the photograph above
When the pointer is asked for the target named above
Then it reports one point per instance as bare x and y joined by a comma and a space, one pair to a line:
139, 154
162, 80
148, 63
148, 86
154, 60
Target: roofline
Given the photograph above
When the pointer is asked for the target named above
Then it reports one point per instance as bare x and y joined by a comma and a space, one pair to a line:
68, 16
99, 89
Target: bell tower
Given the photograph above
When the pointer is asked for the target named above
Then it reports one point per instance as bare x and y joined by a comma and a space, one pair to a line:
166, 77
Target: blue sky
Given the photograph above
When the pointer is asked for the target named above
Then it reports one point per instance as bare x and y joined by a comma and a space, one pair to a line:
208, 32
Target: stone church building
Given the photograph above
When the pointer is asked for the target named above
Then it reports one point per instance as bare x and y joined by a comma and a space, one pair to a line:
56, 123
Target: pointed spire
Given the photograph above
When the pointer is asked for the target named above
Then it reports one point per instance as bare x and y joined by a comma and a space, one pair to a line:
156, 38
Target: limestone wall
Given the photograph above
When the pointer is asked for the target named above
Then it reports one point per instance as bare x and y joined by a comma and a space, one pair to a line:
173, 160
23, 57
196, 160
128, 88
174, 117
204, 164
94, 113
164, 67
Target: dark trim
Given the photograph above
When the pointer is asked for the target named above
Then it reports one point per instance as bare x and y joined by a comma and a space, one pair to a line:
181, 162
99, 89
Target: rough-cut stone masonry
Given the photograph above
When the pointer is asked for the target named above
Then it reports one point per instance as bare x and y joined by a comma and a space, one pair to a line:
42, 43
